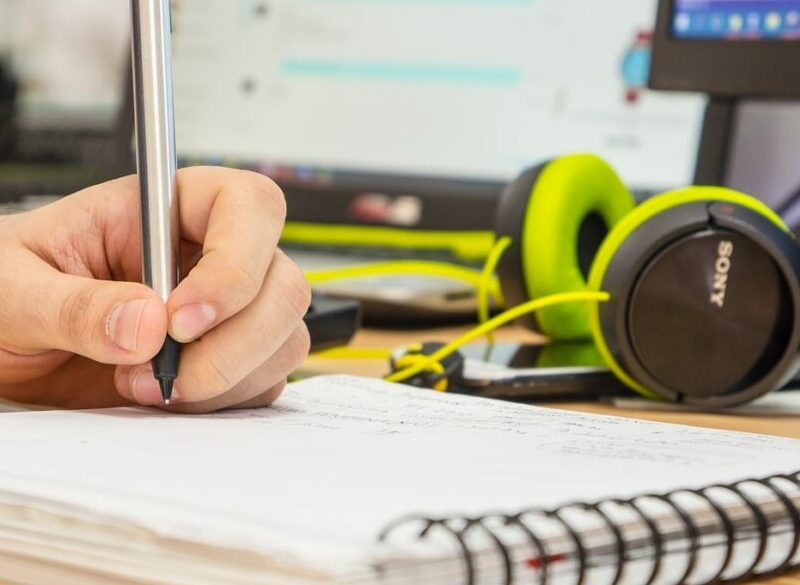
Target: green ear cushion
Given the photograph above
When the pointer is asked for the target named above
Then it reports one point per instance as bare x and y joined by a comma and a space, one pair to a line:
571, 353
634, 221
567, 191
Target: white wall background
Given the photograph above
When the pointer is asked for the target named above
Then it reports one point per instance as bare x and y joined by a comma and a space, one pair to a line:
87, 45
5, 24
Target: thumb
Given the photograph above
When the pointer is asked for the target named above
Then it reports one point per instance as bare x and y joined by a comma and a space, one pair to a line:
108, 322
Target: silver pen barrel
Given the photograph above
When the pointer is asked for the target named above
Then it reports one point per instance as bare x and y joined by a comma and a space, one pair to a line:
155, 144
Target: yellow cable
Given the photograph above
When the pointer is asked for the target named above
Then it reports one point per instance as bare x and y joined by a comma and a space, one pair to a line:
408, 267
492, 260
348, 353
430, 362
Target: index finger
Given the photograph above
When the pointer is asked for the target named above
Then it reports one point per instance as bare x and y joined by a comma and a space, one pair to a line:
237, 217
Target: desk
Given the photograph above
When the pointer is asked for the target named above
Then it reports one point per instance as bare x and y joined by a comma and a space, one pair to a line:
778, 426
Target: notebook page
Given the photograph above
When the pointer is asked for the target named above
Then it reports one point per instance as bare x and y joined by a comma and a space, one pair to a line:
317, 476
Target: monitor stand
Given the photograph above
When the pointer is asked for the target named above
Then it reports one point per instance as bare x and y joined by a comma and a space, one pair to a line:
715, 144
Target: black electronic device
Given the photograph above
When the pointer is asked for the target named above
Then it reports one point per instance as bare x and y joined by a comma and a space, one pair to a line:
731, 50
544, 372
8, 95
565, 371
332, 322
741, 48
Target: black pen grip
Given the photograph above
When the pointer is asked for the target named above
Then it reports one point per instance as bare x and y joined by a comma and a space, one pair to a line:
165, 366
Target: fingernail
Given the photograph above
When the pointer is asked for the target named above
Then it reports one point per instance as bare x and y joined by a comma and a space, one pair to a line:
192, 321
123, 324
146, 389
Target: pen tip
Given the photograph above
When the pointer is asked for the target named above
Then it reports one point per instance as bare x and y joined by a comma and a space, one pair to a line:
166, 389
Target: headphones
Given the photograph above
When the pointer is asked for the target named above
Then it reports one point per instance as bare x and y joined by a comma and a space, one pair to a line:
703, 282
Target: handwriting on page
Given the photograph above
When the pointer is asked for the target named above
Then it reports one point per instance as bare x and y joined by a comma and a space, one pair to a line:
364, 406
337, 458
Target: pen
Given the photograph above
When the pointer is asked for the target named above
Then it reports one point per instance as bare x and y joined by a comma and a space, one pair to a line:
157, 163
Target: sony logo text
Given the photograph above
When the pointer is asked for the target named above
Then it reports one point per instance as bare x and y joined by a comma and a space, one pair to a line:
722, 269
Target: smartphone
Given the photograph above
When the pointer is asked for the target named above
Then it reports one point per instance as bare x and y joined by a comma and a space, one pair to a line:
563, 371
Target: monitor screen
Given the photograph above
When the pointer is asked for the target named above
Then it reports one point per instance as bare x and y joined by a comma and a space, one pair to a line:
737, 19
463, 90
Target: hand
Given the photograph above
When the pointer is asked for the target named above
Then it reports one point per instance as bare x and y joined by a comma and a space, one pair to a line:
77, 331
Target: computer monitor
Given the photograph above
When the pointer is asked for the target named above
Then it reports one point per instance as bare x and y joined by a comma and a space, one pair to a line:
746, 55
739, 48
737, 20
346, 103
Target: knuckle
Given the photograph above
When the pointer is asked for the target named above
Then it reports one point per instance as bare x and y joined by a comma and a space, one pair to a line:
277, 389
240, 281
289, 353
302, 345
206, 377
189, 409
217, 380
75, 315
122, 382
268, 193
271, 395
297, 288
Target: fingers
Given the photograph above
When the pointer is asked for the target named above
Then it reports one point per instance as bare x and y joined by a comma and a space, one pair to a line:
238, 217
244, 360
227, 354
240, 307
108, 322
260, 388
244, 356
265, 399
233, 217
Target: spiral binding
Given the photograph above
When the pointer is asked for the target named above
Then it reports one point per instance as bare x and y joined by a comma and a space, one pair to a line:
461, 528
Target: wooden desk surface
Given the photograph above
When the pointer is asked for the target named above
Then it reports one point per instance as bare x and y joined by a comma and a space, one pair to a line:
788, 426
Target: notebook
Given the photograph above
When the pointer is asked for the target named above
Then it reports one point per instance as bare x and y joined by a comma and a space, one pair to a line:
354, 481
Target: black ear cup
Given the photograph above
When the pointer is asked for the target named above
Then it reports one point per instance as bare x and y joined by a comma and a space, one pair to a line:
510, 222
705, 305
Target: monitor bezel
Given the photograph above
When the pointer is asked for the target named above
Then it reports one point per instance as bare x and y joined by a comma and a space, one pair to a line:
446, 204
733, 68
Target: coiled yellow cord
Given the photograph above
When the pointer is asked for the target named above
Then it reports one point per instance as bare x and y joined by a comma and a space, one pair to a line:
430, 363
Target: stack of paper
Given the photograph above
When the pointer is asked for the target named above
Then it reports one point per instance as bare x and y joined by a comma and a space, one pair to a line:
300, 492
